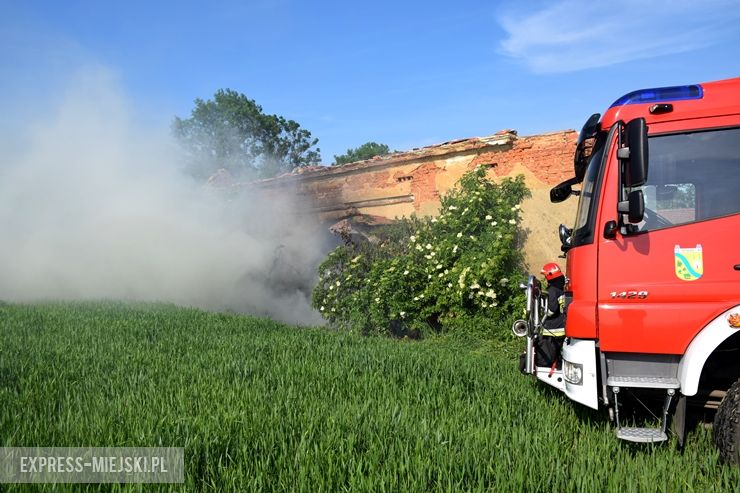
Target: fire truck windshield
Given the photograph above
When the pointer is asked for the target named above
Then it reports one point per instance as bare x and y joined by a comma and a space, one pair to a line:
583, 231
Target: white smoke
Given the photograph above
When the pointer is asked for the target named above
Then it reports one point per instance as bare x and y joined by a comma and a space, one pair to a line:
93, 207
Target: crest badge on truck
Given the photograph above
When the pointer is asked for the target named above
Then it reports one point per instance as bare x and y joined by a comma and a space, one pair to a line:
734, 320
689, 263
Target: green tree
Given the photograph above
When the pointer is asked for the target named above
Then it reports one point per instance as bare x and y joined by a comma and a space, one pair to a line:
365, 151
231, 131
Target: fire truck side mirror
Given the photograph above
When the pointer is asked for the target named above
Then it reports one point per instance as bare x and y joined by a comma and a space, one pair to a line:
634, 206
562, 191
634, 155
559, 193
565, 234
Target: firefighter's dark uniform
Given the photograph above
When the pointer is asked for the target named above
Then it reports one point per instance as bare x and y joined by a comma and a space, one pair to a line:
553, 328
554, 325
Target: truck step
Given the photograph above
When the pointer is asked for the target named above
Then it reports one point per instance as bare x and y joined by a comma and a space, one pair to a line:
643, 382
642, 435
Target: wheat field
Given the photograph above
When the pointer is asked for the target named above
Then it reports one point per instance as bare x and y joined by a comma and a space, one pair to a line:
261, 406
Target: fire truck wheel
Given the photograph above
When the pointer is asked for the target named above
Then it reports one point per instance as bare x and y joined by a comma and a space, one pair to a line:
726, 429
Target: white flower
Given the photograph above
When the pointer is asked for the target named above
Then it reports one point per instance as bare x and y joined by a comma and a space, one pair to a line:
338, 283
405, 273
439, 266
484, 305
322, 308
513, 208
377, 300
447, 271
333, 309
421, 296
517, 206
418, 247
475, 285
454, 250
413, 239
403, 314
416, 298
428, 257
472, 237
449, 285
440, 275
512, 221
459, 235
429, 246
331, 287
499, 236
434, 219
489, 217
503, 281
452, 208
491, 293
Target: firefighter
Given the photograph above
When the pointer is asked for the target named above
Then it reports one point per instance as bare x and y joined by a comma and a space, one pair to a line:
553, 327
549, 344
554, 324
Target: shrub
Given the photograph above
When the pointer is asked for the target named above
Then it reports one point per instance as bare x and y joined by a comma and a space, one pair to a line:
441, 272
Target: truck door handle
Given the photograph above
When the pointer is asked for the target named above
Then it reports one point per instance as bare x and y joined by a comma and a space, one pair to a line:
737, 266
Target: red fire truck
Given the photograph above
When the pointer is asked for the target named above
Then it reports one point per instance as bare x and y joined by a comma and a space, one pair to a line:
653, 263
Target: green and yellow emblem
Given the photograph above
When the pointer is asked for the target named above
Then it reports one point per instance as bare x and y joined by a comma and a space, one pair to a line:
689, 263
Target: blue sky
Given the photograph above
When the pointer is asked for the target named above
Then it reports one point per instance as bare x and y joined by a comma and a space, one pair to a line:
407, 74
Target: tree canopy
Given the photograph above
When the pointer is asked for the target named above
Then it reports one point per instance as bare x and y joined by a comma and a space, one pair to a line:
365, 151
231, 131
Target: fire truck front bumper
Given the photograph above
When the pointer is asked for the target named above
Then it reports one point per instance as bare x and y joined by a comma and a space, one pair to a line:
579, 371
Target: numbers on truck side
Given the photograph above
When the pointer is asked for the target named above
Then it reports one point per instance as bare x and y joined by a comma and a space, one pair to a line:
629, 295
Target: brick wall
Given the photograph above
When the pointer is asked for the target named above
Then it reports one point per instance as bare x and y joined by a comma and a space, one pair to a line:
411, 183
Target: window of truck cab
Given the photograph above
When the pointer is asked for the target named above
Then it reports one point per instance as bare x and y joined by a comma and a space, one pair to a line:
588, 202
692, 176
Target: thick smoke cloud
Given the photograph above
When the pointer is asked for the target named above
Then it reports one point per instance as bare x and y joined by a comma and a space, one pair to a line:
93, 207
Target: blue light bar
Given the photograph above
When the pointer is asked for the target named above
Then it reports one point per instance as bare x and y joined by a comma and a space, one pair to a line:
660, 94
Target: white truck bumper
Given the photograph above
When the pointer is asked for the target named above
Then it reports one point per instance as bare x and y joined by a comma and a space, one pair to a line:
579, 371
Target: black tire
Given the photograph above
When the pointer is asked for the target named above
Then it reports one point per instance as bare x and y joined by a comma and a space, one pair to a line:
726, 429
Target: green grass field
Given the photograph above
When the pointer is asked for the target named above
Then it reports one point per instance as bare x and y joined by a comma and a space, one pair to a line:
262, 406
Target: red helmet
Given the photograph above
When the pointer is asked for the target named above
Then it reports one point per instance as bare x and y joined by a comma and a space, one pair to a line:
551, 271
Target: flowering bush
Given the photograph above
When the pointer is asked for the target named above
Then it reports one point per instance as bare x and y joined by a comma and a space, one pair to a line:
440, 272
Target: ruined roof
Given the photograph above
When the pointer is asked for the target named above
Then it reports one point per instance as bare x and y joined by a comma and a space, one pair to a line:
501, 138
460, 146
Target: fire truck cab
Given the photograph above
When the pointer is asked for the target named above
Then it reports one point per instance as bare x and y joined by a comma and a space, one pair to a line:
653, 262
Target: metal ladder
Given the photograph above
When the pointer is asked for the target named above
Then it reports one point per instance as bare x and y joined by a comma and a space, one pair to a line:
643, 434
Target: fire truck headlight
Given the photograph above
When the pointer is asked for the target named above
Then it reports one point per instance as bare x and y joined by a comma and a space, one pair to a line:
573, 372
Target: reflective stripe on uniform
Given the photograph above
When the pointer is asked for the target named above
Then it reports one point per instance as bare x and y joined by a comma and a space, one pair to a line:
560, 332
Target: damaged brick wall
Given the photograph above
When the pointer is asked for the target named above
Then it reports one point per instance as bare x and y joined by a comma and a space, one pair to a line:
411, 182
